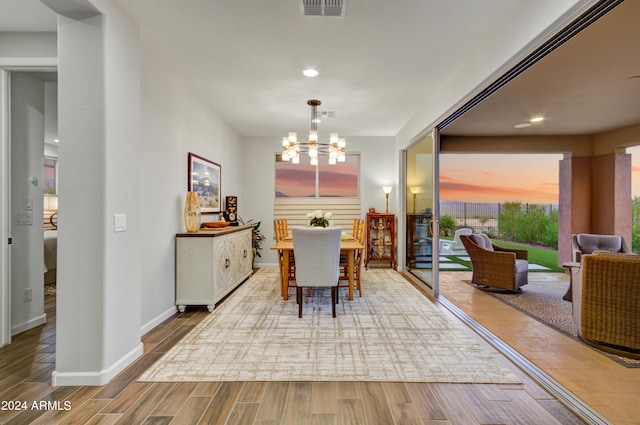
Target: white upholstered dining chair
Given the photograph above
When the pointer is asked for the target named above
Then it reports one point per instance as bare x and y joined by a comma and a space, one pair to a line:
317, 253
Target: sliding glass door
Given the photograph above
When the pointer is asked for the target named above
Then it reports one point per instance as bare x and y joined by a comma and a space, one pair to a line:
421, 181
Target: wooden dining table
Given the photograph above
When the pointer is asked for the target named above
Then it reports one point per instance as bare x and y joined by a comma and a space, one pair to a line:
348, 246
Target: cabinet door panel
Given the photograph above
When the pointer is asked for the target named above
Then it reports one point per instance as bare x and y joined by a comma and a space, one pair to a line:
194, 266
246, 254
222, 265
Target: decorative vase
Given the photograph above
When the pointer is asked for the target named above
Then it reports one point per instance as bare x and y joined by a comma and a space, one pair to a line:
192, 212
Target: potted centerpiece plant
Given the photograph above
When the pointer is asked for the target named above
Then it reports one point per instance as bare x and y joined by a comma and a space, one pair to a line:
318, 218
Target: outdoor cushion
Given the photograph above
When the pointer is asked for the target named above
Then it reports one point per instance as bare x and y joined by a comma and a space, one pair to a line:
482, 241
589, 243
522, 266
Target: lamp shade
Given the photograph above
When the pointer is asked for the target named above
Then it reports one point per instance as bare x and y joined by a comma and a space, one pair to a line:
387, 189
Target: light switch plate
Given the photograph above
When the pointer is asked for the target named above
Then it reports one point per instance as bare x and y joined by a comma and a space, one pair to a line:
120, 223
24, 218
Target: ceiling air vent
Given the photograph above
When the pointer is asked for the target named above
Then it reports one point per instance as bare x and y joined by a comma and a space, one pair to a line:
326, 114
323, 7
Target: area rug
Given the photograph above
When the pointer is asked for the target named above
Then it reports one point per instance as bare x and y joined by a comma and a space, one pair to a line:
542, 299
391, 333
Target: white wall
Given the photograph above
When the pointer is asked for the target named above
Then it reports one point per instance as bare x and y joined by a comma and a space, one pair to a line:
27, 259
174, 123
377, 169
99, 298
28, 45
51, 114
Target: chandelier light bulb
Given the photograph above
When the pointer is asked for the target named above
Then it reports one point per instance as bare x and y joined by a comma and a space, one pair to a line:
295, 160
313, 151
293, 137
314, 161
313, 136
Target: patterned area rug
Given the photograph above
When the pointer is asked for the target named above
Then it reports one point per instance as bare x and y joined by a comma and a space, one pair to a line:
542, 300
391, 333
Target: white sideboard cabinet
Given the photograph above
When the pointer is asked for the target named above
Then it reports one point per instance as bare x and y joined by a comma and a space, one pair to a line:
210, 264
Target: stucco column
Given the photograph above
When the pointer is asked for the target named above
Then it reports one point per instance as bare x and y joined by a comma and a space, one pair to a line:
595, 197
574, 202
611, 195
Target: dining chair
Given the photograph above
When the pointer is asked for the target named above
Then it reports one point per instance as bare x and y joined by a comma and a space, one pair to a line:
317, 252
279, 226
360, 235
354, 229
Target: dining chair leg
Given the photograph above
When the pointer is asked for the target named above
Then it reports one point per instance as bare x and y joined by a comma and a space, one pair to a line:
299, 298
334, 289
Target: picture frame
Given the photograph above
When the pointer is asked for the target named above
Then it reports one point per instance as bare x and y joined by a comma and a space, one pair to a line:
204, 178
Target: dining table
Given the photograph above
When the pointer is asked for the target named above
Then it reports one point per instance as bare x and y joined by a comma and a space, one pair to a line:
348, 246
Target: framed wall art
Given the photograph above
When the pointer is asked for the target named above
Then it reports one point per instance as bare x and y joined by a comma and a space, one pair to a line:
204, 179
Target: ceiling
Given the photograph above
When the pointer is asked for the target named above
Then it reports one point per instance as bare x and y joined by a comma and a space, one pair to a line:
377, 65
588, 85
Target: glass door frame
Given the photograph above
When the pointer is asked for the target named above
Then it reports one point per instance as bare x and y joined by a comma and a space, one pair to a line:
432, 288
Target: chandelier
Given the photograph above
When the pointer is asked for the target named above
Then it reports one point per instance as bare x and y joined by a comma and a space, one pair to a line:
335, 149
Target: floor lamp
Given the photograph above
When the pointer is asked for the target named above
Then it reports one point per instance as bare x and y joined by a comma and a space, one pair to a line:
387, 191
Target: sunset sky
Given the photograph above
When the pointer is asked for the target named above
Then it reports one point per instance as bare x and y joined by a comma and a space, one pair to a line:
463, 177
499, 178
334, 180
504, 178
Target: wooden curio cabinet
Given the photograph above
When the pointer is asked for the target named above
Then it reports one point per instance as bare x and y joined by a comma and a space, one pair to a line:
381, 236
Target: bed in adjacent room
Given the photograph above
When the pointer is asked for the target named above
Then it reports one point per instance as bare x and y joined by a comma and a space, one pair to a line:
50, 247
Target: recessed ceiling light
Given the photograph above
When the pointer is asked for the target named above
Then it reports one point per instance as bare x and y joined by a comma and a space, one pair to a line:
310, 72
537, 119
523, 125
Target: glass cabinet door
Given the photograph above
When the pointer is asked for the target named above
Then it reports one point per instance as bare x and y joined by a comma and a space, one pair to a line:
381, 238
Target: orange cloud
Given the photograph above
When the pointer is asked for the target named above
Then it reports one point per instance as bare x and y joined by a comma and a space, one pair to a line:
479, 193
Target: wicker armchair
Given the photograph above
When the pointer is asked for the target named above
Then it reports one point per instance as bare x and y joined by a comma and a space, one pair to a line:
496, 267
606, 302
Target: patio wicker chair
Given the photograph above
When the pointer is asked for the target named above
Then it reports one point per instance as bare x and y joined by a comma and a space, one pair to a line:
606, 302
496, 267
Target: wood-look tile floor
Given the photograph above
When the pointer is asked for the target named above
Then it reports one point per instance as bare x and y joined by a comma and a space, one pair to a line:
27, 363
607, 387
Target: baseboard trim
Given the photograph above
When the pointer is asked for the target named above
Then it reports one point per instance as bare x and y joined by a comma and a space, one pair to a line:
96, 379
36, 321
566, 397
149, 326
